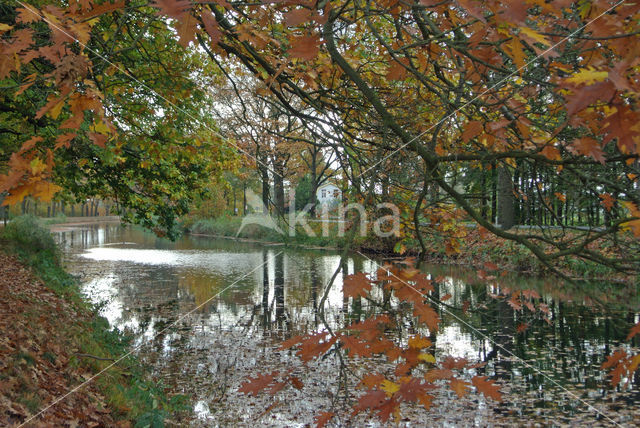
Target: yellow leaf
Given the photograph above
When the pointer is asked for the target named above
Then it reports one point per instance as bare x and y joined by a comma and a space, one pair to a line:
587, 76
533, 35
55, 111
37, 166
419, 342
517, 53
427, 358
389, 387
45, 190
5, 27
100, 128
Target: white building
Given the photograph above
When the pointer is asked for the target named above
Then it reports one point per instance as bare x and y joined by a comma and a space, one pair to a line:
328, 194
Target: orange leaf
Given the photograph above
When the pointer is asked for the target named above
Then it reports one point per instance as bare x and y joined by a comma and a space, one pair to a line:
437, 374
254, 385
607, 201
172, 8
356, 285
472, 130
296, 17
427, 315
322, 419
419, 342
487, 387
634, 330
460, 387
305, 47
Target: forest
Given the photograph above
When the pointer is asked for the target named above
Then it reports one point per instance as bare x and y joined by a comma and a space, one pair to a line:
391, 177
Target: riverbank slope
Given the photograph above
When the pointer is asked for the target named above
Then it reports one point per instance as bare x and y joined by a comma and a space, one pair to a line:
52, 341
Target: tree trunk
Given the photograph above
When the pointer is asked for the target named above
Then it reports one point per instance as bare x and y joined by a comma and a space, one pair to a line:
505, 199
244, 199
314, 184
494, 191
278, 185
265, 190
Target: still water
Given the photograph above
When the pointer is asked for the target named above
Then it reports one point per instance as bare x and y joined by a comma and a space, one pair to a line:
205, 313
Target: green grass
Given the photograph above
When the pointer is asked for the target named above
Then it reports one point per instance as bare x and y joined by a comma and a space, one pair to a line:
125, 386
229, 226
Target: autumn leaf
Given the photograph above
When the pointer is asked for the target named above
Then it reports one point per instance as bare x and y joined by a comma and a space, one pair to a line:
427, 315
608, 201
355, 347
186, 28
315, 345
454, 363
253, 386
438, 374
305, 47
373, 399
588, 146
172, 8
27, 16
372, 380
296, 17
634, 330
427, 358
472, 130
634, 225
460, 387
323, 418
587, 76
487, 387
419, 342
357, 285
389, 387
533, 36
397, 71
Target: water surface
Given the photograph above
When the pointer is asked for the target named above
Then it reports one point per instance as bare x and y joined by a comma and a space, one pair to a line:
205, 312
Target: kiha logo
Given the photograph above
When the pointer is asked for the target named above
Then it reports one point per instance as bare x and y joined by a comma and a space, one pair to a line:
259, 216
385, 226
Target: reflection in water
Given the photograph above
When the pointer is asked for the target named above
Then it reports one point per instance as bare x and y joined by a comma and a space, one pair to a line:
144, 284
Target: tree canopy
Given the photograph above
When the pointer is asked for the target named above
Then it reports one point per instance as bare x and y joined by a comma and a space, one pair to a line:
112, 97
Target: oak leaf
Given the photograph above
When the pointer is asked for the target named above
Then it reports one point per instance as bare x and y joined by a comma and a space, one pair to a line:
253, 386
322, 418
305, 47
427, 315
487, 387
357, 285
587, 76
460, 387
634, 330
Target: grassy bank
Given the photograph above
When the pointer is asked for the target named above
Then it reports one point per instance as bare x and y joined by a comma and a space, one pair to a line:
475, 249
323, 235
63, 343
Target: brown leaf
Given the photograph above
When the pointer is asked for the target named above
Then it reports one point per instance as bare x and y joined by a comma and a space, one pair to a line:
322, 418
254, 385
460, 387
305, 47
172, 8
634, 330
356, 285
487, 387
295, 17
